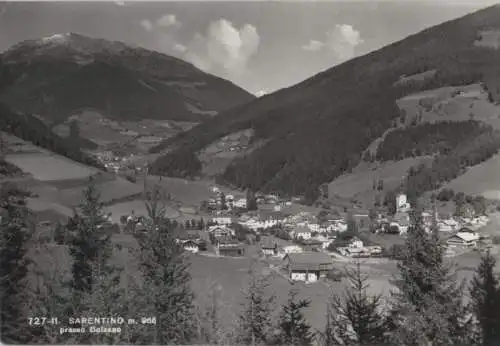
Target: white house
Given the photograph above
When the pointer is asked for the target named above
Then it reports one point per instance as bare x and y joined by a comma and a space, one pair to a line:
302, 232
220, 231
222, 220
291, 249
355, 242
307, 266
402, 204
191, 246
240, 203
463, 239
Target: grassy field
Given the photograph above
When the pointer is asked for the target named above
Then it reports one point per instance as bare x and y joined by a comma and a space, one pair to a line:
47, 167
482, 179
359, 183
446, 104
137, 206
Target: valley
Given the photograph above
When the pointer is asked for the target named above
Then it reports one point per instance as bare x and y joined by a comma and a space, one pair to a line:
346, 170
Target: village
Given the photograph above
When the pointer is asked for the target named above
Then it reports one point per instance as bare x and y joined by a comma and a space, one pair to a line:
306, 247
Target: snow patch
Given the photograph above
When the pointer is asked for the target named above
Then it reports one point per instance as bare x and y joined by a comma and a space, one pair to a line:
56, 38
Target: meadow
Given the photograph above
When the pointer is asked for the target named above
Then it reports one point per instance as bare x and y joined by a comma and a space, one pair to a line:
482, 179
47, 167
359, 183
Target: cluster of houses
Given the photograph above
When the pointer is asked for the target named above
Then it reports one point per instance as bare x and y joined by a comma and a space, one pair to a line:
230, 200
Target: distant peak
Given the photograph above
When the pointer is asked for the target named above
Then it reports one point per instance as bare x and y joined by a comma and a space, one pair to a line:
56, 38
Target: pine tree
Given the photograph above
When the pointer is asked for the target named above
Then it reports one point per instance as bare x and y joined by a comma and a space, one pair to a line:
355, 317
428, 304
167, 281
485, 301
255, 325
211, 330
251, 200
15, 233
90, 244
294, 329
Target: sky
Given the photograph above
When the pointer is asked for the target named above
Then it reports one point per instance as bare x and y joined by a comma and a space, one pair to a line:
261, 46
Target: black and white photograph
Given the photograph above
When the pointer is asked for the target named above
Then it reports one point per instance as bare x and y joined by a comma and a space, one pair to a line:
255, 173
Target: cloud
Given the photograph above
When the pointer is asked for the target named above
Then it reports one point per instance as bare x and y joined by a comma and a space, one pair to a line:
120, 3
260, 93
180, 48
224, 47
341, 42
147, 25
313, 46
167, 21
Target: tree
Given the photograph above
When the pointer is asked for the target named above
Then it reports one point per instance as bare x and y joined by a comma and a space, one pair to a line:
355, 317
223, 202
390, 202
380, 185
15, 233
428, 304
485, 301
255, 323
294, 329
74, 129
91, 245
166, 279
251, 200
211, 330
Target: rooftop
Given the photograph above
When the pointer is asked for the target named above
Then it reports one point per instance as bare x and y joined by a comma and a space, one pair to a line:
310, 261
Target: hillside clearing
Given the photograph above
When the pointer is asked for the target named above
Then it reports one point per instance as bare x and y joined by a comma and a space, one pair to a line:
359, 183
46, 167
482, 179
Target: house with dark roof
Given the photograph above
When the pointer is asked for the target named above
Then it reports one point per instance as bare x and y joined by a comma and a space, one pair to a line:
307, 266
269, 248
230, 248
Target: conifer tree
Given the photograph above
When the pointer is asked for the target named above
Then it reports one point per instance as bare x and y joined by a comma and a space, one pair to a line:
428, 303
167, 281
90, 244
355, 317
15, 233
251, 200
485, 301
294, 329
255, 324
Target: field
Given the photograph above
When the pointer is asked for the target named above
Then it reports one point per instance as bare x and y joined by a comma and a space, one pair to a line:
482, 179
46, 167
359, 183
137, 206
451, 104
188, 193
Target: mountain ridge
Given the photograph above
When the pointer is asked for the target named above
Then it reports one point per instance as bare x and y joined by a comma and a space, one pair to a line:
54, 73
318, 129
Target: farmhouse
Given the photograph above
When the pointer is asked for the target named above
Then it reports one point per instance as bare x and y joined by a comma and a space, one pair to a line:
463, 239
307, 266
221, 232
312, 244
269, 249
221, 220
191, 246
301, 232
231, 249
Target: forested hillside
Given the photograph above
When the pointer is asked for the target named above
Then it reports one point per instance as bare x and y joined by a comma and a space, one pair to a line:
316, 130
428, 139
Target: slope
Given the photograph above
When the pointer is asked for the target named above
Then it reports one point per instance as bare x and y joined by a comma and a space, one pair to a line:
63, 74
318, 129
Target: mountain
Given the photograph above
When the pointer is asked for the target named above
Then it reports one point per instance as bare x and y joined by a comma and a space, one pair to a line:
315, 131
60, 75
